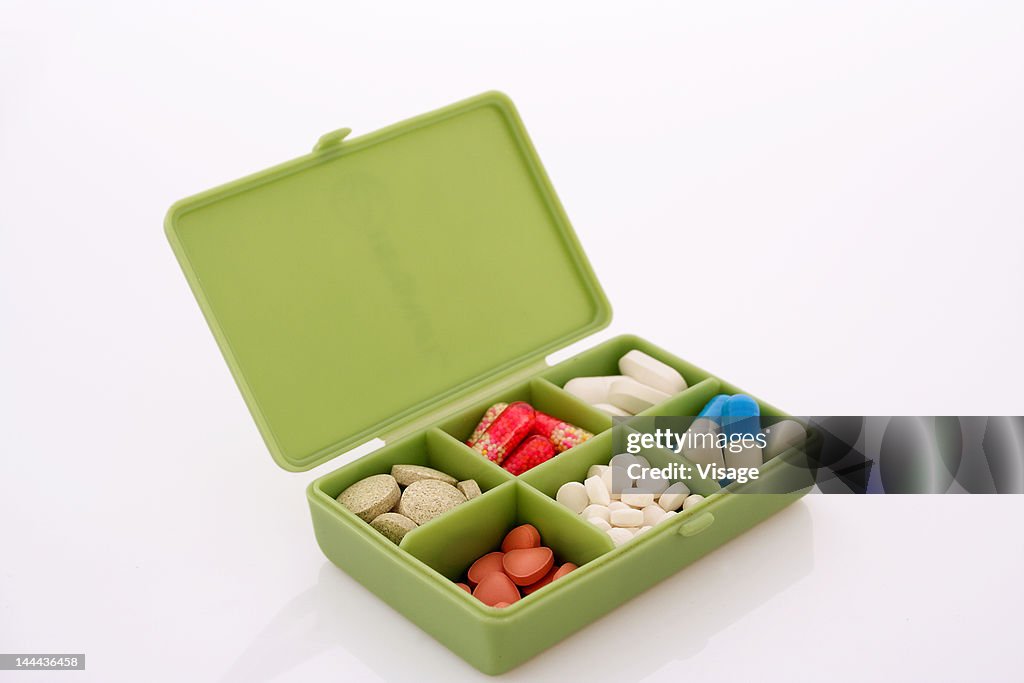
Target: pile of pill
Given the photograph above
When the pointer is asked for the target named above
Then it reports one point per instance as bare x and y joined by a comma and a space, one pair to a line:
745, 444
395, 504
518, 437
644, 382
521, 567
622, 506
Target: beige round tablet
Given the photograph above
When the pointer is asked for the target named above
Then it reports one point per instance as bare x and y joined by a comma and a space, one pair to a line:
407, 474
371, 497
393, 525
427, 498
469, 488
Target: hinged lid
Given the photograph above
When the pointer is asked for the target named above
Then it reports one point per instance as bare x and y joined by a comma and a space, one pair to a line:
360, 287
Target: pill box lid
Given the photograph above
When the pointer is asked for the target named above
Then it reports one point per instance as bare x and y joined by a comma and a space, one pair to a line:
369, 284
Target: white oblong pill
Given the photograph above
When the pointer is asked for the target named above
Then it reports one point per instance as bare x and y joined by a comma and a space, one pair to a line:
591, 389
637, 499
643, 529
783, 436
601, 524
673, 497
623, 460
632, 396
692, 501
573, 495
652, 372
700, 443
668, 515
653, 514
597, 492
598, 470
612, 410
620, 536
630, 517
616, 479
746, 455
651, 484
617, 505
591, 511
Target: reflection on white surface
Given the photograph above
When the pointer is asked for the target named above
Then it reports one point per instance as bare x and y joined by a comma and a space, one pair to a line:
687, 609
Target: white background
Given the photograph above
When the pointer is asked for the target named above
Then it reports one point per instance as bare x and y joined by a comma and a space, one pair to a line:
841, 183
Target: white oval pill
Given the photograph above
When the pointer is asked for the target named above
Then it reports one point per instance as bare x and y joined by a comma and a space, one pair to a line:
653, 514
673, 497
592, 511
612, 410
597, 492
668, 515
782, 436
617, 505
573, 495
650, 484
632, 396
637, 499
601, 524
630, 517
616, 479
643, 529
598, 470
624, 460
591, 389
620, 536
652, 372
692, 501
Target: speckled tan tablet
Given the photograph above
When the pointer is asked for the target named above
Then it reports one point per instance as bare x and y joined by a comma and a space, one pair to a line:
407, 474
371, 497
425, 499
393, 525
469, 488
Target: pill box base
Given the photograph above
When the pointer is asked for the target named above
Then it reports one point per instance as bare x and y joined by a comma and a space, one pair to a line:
416, 578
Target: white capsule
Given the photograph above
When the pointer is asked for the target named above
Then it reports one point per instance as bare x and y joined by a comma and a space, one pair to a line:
592, 511
632, 396
591, 389
692, 501
630, 517
619, 535
637, 499
653, 514
617, 505
612, 410
700, 443
597, 492
652, 372
673, 497
783, 436
573, 495
601, 524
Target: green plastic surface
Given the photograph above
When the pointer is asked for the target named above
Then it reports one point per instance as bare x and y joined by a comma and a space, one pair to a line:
371, 283
402, 282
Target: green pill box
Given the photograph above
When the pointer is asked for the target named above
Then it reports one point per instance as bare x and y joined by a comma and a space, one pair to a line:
395, 285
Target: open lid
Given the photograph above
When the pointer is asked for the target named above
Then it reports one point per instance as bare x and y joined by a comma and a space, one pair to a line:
367, 284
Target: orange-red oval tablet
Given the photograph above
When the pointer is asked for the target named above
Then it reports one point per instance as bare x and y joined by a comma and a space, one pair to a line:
465, 588
500, 604
525, 536
528, 565
563, 570
489, 563
544, 580
495, 588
